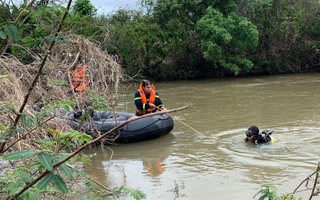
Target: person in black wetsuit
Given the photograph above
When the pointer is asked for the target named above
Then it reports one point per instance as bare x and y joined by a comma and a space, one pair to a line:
254, 136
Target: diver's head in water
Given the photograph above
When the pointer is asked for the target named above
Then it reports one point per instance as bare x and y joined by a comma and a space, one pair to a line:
251, 133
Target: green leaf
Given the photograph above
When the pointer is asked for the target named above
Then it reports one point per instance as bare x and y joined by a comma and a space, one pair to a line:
66, 170
3, 36
32, 195
263, 197
85, 139
76, 136
59, 182
29, 195
45, 141
87, 183
2, 127
14, 187
19, 154
6, 107
29, 122
12, 32
67, 143
65, 134
45, 181
46, 161
23, 119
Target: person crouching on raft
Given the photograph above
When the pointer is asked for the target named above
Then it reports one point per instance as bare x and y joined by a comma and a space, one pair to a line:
253, 135
147, 99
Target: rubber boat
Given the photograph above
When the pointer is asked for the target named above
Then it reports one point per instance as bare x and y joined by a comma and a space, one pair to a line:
139, 130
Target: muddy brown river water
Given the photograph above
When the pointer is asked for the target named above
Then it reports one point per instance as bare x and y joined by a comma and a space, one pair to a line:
211, 160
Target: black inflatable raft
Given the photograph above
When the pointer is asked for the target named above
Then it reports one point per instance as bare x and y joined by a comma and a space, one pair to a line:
140, 130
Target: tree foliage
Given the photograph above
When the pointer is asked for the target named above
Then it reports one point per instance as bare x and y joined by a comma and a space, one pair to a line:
288, 34
142, 47
185, 27
184, 39
288, 37
227, 40
84, 8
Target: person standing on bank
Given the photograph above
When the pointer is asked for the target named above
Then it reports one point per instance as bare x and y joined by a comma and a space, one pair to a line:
147, 99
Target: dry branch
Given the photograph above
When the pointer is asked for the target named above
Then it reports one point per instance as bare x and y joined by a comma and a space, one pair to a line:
36, 78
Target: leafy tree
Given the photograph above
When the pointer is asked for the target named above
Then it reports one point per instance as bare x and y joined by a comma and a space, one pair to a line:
227, 40
84, 7
5, 13
94, 27
179, 21
33, 33
288, 34
139, 41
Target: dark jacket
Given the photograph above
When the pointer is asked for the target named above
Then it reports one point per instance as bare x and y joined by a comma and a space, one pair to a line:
262, 139
259, 139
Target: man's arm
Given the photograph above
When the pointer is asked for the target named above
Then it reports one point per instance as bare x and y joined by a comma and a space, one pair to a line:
158, 101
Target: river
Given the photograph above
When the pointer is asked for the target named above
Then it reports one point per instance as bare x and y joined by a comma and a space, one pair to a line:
205, 156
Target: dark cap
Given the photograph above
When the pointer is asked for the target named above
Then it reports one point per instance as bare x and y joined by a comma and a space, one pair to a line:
254, 130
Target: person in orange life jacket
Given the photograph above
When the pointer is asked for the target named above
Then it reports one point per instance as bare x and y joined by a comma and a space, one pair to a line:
253, 135
147, 99
80, 82
80, 79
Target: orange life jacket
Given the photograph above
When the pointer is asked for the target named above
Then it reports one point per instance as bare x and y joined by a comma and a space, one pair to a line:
144, 100
79, 79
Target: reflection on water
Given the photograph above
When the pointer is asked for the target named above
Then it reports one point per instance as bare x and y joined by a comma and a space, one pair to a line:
218, 164
115, 163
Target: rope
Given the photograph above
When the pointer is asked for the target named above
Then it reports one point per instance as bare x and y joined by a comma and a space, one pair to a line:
189, 126
158, 108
